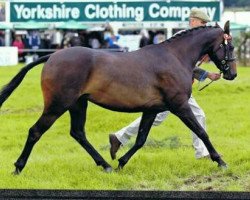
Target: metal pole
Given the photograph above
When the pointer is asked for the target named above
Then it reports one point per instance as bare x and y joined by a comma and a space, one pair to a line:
7, 19
7, 37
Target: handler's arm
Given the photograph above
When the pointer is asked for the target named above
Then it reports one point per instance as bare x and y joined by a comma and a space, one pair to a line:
201, 74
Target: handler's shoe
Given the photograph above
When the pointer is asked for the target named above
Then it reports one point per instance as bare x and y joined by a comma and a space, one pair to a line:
114, 145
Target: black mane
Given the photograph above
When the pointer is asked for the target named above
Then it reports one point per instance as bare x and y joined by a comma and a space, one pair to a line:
184, 32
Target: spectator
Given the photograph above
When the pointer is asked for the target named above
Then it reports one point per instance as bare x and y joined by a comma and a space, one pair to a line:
145, 40
111, 39
56, 39
34, 40
2, 12
1, 39
94, 40
158, 38
76, 40
112, 42
46, 41
66, 39
20, 46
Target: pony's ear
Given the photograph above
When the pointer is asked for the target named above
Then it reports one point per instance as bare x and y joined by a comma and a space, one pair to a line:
227, 27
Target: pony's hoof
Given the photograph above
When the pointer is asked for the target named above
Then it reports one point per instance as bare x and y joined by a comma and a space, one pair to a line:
119, 168
108, 169
16, 172
222, 165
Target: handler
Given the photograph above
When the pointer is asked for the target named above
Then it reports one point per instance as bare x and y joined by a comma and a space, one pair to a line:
197, 18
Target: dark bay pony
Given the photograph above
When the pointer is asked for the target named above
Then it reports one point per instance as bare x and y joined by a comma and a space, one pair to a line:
150, 80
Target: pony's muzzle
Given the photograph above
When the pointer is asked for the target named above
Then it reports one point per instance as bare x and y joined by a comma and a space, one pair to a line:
230, 77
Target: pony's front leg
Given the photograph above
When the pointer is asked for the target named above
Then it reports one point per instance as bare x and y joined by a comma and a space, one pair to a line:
144, 128
186, 115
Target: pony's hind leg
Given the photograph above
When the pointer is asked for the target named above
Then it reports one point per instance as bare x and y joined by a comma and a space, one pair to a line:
35, 132
78, 118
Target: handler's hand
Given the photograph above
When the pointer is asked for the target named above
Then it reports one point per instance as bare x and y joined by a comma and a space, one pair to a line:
213, 76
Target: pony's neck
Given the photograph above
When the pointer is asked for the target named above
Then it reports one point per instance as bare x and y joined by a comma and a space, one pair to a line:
191, 45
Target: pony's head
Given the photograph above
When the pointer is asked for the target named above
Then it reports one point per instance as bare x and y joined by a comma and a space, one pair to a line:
222, 54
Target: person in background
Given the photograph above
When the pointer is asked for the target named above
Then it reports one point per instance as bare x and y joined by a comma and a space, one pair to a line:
95, 40
56, 37
112, 41
1, 39
46, 40
94, 43
159, 37
121, 137
2, 12
110, 38
145, 40
65, 43
34, 40
18, 42
76, 40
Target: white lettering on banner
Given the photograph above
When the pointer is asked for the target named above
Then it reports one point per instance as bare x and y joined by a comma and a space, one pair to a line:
175, 12
49, 13
152, 11
75, 13
56, 12
185, 13
211, 12
114, 11
156, 11
89, 11
18, 10
26, 13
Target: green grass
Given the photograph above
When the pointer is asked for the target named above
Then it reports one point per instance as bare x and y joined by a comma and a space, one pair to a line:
166, 162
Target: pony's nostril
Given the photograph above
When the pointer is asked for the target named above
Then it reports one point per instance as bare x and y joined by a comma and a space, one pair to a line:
233, 77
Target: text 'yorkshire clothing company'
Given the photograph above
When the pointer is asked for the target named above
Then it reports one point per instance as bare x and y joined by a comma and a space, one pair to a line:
100, 11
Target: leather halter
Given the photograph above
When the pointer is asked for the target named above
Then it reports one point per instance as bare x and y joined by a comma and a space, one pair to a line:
227, 59
223, 63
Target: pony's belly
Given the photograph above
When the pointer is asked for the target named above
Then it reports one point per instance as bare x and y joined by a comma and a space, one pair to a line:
132, 104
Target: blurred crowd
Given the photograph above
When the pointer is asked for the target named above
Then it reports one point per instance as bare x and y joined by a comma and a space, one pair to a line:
59, 39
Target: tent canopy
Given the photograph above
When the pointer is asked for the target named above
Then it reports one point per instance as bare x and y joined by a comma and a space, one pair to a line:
4, 25
71, 25
30, 25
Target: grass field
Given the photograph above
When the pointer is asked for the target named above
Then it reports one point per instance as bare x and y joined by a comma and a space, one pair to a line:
166, 162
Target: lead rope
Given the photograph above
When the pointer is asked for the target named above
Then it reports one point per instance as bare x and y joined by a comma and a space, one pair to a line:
200, 89
201, 61
198, 64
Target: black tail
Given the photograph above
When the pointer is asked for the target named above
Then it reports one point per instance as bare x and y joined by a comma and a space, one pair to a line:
12, 85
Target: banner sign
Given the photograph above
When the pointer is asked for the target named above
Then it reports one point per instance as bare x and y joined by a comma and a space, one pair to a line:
120, 11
